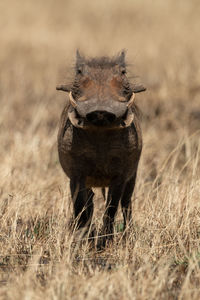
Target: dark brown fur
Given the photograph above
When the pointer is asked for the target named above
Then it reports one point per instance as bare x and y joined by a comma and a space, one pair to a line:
100, 155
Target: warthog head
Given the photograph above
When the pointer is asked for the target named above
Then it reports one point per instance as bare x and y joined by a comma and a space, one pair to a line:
101, 95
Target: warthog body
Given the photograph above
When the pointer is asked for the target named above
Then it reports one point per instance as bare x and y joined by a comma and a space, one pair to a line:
99, 139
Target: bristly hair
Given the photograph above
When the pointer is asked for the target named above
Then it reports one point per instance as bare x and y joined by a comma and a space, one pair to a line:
101, 62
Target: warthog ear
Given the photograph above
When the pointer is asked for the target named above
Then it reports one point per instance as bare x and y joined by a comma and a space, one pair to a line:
79, 60
121, 59
78, 56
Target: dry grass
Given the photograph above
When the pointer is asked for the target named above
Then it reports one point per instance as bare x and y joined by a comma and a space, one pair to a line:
38, 257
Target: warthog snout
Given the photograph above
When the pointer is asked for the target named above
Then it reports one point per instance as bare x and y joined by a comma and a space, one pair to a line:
101, 118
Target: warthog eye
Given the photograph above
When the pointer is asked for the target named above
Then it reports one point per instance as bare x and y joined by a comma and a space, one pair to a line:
123, 71
79, 71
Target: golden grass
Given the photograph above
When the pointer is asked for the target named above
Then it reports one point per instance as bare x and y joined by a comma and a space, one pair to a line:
39, 259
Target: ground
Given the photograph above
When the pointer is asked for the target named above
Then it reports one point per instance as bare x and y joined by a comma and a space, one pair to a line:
39, 257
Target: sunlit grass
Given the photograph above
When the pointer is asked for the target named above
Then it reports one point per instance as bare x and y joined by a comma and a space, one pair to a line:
158, 257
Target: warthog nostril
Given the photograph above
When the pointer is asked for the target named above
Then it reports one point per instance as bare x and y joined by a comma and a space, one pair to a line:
100, 117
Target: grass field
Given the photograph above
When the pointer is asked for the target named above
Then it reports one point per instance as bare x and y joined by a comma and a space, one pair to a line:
39, 258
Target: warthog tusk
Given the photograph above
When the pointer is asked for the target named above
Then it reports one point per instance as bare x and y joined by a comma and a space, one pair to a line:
73, 102
129, 119
74, 120
130, 102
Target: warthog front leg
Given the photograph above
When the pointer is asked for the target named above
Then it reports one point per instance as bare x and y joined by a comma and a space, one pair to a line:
114, 195
126, 201
82, 202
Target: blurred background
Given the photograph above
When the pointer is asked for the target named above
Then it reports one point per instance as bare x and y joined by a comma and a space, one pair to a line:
38, 41
38, 44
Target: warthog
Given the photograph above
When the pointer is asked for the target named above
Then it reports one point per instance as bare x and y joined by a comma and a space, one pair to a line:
99, 139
